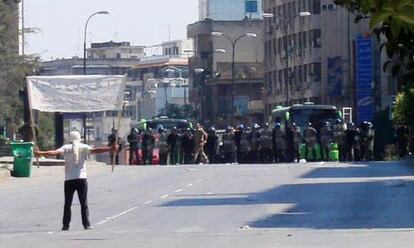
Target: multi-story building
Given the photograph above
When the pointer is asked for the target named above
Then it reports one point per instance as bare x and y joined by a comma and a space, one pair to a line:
217, 98
229, 10
115, 50
311, 53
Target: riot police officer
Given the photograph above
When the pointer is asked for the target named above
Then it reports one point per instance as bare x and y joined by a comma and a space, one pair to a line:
266, 145
148, 143
212, 145
279, 143
309, 135
326, 137
339, 138
255, 143
187, 146
133, 140
350, 136
367, 141
296, 140
237, 138
229, 145
245, 146
162, 146
172, 141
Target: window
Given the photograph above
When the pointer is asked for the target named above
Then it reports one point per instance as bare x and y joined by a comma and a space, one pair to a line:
294, 10
118, 55
274, 79
316, 72
274, 47
316, 7
315, 38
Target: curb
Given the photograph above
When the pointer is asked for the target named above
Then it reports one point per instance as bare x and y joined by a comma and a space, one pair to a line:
4, 174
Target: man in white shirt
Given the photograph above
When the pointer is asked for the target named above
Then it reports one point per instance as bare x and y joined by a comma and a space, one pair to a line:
75, 155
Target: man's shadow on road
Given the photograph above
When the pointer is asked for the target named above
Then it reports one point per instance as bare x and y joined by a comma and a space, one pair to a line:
382, 203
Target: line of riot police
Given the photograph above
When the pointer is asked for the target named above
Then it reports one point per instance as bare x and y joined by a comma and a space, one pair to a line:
255, 144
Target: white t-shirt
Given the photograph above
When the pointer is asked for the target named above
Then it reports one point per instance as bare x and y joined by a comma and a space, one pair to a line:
75, 169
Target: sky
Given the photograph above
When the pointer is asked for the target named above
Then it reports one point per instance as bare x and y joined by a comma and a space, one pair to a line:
60, 23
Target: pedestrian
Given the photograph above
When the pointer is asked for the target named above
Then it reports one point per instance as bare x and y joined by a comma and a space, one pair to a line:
112, 138
309, 135
350, 136
200, 139
75, 155
255, 144
266, 144
229, 145
162, 146
339, 138
173, 141
187, 146
279, 143
212, 145
133, 140
326, 138
148, 144
402, 136
357, 145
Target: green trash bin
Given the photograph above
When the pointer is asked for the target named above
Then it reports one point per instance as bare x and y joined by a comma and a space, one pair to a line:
23, 158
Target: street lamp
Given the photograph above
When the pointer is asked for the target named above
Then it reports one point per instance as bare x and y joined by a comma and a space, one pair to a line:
84, 59
233, 44
285, 21
84, 40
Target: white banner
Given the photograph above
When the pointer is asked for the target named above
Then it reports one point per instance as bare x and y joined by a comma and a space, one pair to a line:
76, 94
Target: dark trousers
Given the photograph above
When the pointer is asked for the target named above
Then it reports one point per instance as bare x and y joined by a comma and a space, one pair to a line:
266, 155
80, 186
229, 157
174, 155
163, 158
147, 156
188, 157
132, 152
280, 156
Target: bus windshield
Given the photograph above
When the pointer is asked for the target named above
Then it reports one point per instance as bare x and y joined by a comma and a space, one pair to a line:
316, 116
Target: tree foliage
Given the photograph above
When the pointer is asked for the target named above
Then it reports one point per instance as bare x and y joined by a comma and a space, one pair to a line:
392, 21
179, 112
13, 67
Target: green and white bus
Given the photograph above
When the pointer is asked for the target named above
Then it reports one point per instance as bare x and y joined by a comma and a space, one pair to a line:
302, 114
165, 122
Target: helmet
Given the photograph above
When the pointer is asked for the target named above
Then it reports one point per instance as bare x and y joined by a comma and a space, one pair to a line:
309, 124
241, 126
294, 124
229, 128
327, 124
212, 129
277, 125
266, 124
256, 126
161, 129
338, 121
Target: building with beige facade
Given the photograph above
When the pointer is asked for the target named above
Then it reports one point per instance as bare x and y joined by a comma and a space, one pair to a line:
311, 53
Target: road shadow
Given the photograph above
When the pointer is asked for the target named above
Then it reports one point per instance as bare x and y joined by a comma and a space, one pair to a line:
379, 204
374, 169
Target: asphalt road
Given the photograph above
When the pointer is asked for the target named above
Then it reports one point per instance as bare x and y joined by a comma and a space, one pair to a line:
302, 205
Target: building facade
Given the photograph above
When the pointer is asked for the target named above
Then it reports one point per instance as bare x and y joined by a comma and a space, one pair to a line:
311, 57
115, 50
217, 100
229, 10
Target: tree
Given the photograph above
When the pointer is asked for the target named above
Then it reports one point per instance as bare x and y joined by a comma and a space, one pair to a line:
176, 111
13, 68
392, 21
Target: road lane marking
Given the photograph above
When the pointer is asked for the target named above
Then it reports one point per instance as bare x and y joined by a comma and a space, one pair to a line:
198, 180
209, 193
107, 219
178, 191
147, 202
189, 185
164, 196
